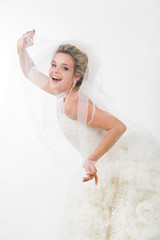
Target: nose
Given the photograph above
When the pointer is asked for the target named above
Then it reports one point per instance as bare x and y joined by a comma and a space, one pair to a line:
56, 70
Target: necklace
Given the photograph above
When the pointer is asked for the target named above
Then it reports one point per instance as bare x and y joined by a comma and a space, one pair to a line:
61, 101
63, 94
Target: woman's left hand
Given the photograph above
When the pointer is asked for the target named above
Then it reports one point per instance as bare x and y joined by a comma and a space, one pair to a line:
91, 171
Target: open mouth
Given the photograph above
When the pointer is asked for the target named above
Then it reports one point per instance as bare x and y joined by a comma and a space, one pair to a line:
56, 79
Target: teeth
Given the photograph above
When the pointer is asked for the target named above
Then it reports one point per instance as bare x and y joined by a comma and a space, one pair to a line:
54, 78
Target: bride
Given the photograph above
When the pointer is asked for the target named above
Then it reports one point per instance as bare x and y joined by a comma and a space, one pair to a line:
119, 197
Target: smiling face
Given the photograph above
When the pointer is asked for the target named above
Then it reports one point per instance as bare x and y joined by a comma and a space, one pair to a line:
61, 72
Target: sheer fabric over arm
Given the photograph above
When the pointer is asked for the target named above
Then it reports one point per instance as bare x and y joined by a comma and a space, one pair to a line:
46, 109
28, 66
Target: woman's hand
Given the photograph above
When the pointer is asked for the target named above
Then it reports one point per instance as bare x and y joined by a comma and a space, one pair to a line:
91, 171
26, 40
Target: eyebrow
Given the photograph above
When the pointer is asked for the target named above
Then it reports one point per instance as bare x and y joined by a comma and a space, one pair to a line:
62, 63
65, 64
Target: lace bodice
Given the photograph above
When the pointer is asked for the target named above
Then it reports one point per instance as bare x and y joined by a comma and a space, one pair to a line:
84, 138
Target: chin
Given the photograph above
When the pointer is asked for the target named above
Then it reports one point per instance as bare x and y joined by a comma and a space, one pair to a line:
52, 85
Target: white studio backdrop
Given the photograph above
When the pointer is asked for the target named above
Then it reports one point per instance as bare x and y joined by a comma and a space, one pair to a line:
33, 182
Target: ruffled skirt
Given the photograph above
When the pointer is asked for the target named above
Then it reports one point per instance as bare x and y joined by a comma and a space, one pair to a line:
125, 205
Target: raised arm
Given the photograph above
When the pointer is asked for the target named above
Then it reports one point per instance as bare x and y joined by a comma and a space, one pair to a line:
27, 65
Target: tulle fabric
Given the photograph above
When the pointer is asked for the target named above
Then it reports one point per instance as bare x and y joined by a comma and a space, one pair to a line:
45, 110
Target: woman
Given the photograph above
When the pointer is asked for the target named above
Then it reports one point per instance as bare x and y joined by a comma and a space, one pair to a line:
124, 202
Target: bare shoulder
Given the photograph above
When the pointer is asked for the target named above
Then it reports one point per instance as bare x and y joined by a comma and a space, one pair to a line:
100, 118
71, 105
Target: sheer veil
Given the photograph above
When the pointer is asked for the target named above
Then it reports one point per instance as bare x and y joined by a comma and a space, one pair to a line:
45, 108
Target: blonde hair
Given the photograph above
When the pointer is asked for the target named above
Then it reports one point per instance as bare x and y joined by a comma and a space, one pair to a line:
81, 60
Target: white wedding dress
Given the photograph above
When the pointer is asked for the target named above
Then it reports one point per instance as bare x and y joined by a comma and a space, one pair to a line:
125, 205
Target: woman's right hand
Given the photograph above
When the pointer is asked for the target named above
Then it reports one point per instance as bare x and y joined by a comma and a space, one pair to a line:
26, 40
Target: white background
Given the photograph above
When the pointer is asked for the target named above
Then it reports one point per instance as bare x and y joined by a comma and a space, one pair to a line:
32, 180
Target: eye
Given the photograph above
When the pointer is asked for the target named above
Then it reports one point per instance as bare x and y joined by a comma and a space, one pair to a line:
66, 69
53, 64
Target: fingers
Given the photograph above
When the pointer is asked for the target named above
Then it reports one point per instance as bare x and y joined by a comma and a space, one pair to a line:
26, 40
96, 179
87, 178
91, 176
91, 171
33, 31
29, 34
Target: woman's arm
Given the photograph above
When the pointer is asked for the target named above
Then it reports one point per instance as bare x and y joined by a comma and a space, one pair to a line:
114, 127
101, 119
27, 65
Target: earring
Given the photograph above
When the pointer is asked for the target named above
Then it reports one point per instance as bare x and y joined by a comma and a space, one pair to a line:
73, 85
